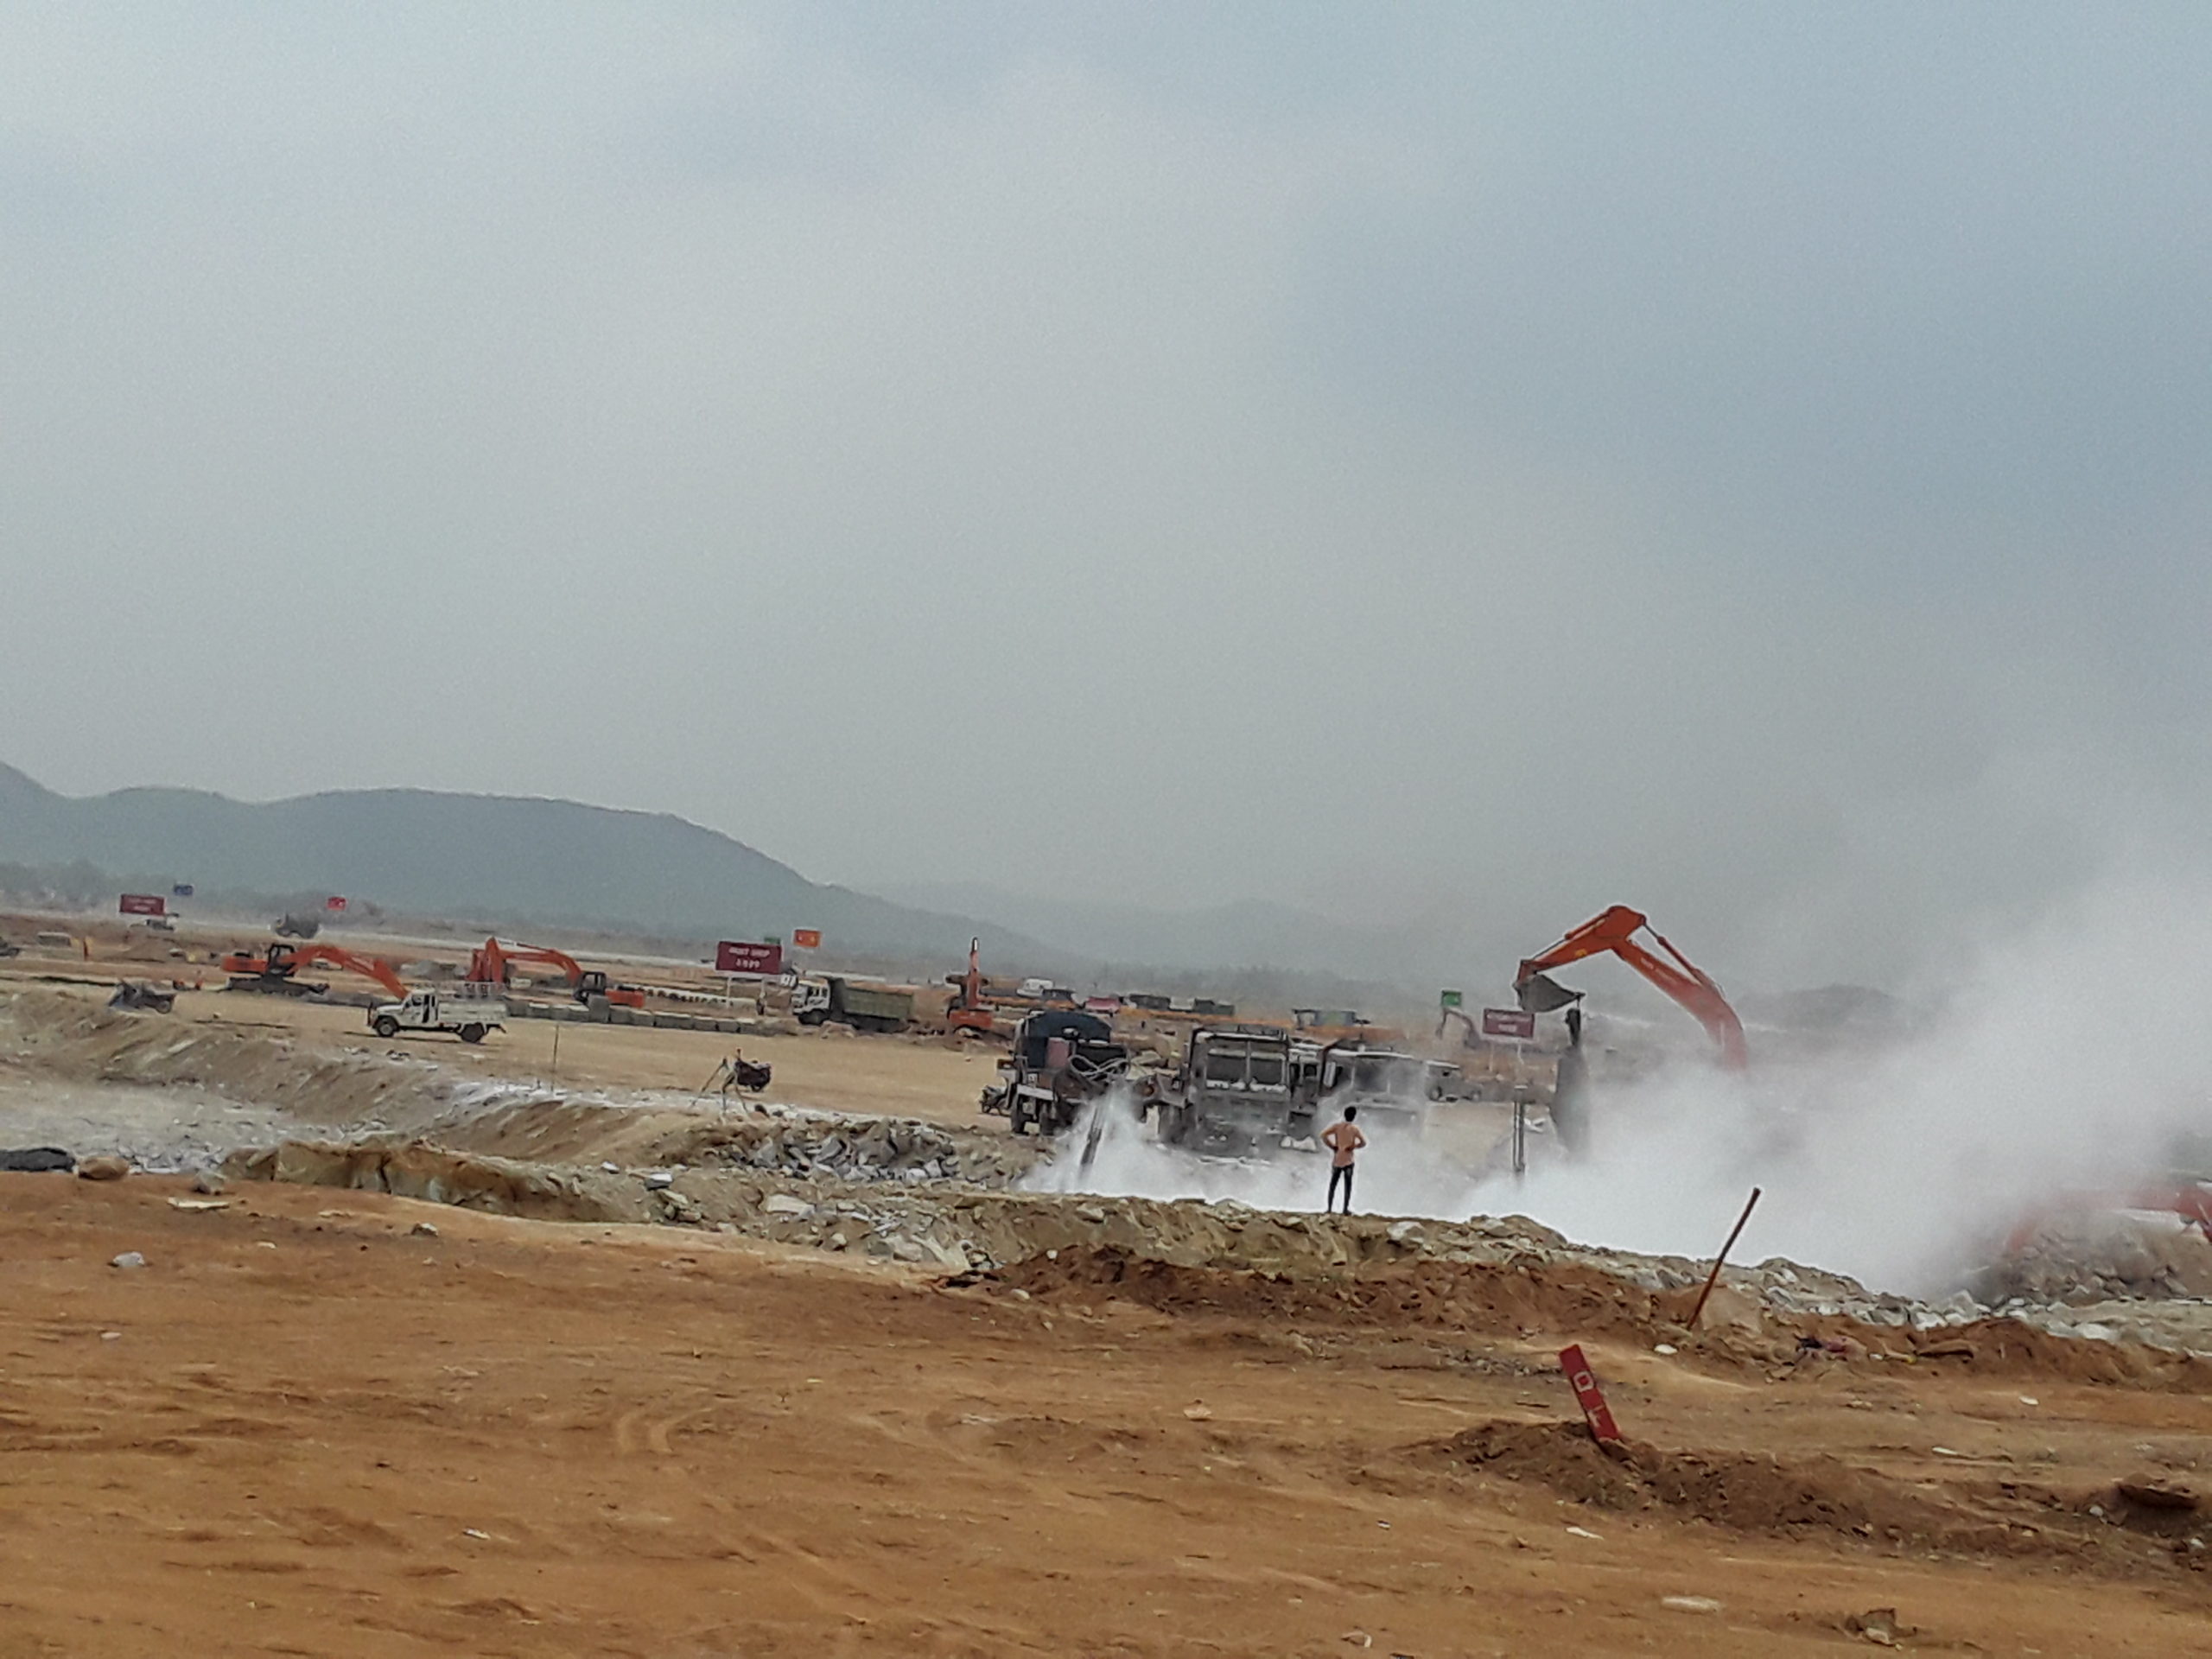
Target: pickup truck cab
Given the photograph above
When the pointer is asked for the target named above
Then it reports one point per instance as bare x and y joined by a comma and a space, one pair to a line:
467, 1017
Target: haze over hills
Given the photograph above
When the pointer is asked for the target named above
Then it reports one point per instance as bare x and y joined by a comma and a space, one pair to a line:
1221, 937
472, 855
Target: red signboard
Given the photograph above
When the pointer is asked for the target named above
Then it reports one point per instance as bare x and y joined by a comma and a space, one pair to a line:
1595, 1411
1508, 1022
807, 938
334, 902
736, 957
143, 904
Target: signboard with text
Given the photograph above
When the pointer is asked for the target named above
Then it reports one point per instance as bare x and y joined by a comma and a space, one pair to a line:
807, 938
740, 957
1508, 1022
334, 903
143, 904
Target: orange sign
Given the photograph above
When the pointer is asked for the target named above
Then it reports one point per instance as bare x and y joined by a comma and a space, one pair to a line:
807, 938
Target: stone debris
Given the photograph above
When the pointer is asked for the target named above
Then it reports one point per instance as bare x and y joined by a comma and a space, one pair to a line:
103, 1169
128, 1260
2121, 1255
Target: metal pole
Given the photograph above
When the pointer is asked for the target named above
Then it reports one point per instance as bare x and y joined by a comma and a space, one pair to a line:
1714, 1278
1520, 1139
556, 1055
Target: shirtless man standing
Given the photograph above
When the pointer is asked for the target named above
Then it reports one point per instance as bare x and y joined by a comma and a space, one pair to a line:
1342, 1140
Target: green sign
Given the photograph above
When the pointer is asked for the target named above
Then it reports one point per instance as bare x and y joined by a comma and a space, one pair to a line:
1452, 999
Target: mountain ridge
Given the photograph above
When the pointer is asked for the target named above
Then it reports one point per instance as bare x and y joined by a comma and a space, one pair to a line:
438, 852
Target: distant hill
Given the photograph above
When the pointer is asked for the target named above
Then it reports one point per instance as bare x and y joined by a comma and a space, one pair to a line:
433, 854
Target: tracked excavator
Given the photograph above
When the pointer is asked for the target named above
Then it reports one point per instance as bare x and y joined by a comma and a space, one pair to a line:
492, 964
277, 970
968, 1012
1675, 974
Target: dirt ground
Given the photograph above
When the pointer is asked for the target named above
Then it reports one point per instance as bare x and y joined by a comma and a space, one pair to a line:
300, 1428
304, 1428
916, 1076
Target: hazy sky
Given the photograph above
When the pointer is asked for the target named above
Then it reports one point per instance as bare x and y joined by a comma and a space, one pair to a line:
1453, 465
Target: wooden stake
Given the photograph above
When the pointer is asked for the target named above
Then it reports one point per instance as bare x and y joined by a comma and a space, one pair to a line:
1714, 1278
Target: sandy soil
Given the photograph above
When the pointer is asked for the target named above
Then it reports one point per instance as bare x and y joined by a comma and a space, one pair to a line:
302, 1428
312, 1431
911, 1076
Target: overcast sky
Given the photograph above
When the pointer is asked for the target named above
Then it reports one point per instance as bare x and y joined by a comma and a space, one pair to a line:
1455, 467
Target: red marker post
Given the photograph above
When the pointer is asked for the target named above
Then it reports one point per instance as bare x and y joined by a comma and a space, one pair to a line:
1595, 1411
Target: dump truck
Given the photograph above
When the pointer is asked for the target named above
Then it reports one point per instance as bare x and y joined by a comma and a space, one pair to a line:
1240, 1088
818, 1000
1062, 1059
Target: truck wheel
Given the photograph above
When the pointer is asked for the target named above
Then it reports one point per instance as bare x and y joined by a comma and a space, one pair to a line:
472, 1033
386, 1027
1017, 1116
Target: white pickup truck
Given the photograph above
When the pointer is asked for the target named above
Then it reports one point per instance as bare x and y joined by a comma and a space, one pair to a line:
467, 1017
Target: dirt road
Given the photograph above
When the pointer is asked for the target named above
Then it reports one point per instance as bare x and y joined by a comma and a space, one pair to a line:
302, 1429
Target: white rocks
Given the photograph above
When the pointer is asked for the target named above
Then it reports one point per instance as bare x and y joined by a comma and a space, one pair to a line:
128, 1260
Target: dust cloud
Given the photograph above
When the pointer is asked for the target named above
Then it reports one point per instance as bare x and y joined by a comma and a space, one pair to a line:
2071, 1060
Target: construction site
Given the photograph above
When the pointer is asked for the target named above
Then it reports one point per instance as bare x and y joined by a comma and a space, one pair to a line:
374, 1298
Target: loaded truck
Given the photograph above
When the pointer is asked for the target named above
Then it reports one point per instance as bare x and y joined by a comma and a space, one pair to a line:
1239, 1089
467, 1017
818, 1000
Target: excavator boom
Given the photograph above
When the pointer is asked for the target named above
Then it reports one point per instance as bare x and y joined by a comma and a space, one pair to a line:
1615, 931
489, 965
284, 962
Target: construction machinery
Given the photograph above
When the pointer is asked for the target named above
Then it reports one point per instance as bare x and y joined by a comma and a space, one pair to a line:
968, 1011
1062, 1060
1615, 931
277, 970
818, 1000
493, 962
1393, 1089
1239, 1088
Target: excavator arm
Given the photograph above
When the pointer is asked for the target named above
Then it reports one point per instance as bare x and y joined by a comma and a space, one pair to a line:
374, 968
489, 965
1615, 933
283, 961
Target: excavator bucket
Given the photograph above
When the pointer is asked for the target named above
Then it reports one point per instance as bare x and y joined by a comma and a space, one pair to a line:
1542, 994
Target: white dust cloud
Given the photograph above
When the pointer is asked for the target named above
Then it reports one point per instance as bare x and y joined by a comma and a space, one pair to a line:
2071, 1060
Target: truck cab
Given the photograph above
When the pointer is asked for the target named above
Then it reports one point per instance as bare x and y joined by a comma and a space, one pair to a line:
1239, 1088
1393, 1090
466, 1017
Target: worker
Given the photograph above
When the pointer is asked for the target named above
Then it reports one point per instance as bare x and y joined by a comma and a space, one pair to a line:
1342, 1140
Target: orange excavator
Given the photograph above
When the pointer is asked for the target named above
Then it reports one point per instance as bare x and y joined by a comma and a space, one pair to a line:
277, 970
1681, 978
492, 964
968, 1011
